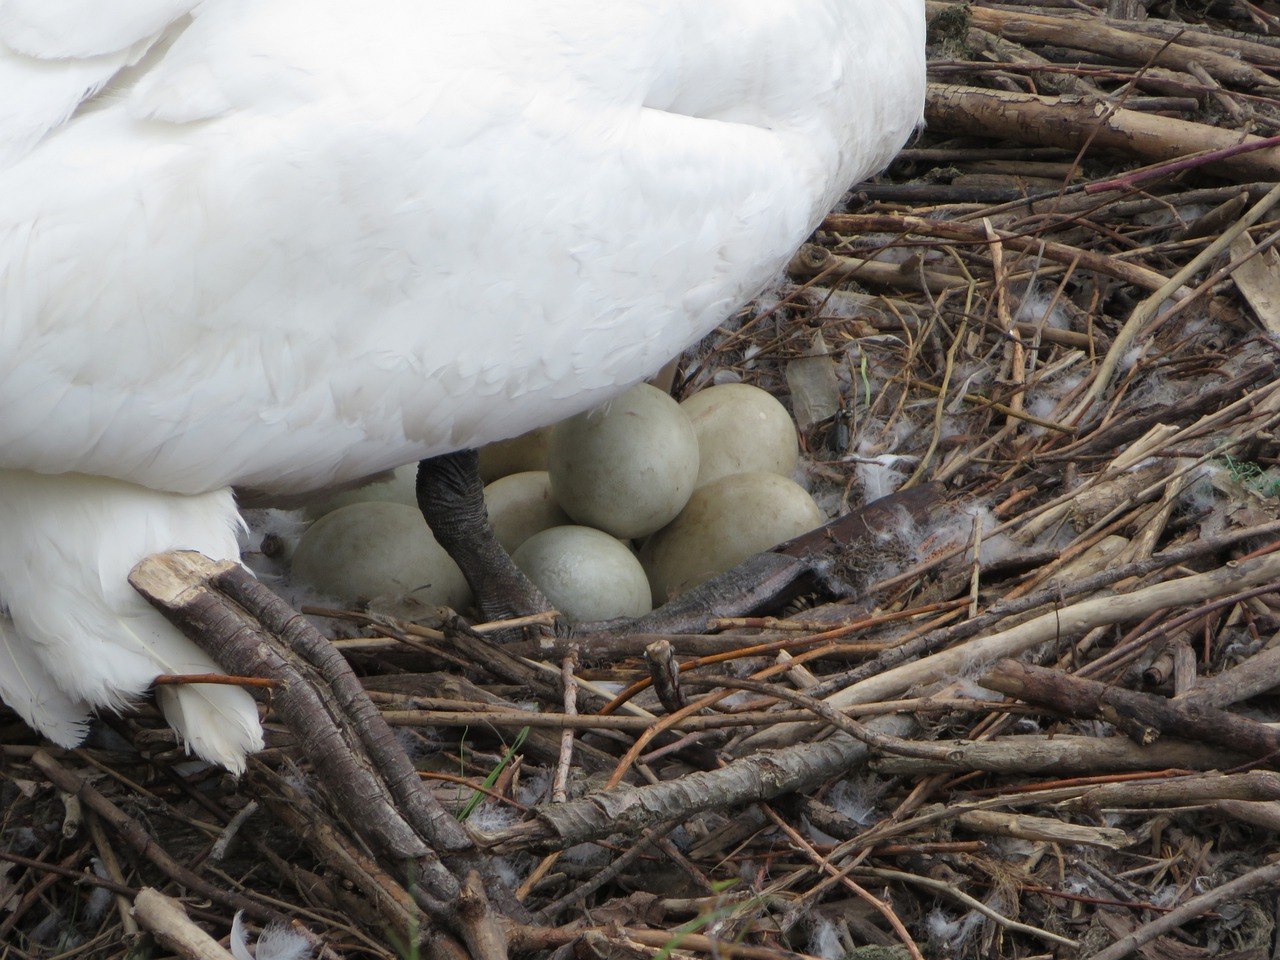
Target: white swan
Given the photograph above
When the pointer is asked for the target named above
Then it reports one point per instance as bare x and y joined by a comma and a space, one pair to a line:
282, 244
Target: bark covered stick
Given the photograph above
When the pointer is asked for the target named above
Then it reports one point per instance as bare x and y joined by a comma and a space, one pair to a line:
245, 628
292, 807
181, 586
630, 810
1255, 786
1060, 122
1063, 756
1142, 716
1119, 44
424, 812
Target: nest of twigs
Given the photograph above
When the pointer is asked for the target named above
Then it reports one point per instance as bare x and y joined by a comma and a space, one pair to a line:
1021, 714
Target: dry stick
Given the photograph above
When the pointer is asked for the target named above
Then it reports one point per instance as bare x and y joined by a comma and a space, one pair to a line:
1130, 180
419, 804
1115, 42
728, 721
111, 864
624, 939
629, 810
1058, 121
1140, 276
379, 789
1146, 310
1182, 791
664, 673
972, 903
1123, 652
560, 784
1142, 716
1055, 624
913, 573
551, 911
219, 849
1251, 882
169, 923
1053, 594
37, 891
879, 741
134, 834
1043, 829
880, 906
918, 474
1008, 329
1060, 755
80, 876
394, 907
182, 586
976, 567
1258, 674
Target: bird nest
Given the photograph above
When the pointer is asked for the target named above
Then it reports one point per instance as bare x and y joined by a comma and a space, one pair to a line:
1017, 709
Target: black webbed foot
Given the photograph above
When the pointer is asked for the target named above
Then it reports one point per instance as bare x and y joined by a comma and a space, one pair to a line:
451, 497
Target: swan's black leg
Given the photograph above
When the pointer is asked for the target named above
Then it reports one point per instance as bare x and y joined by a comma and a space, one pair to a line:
451, 498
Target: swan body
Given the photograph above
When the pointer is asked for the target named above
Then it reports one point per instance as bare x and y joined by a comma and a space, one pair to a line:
284, 244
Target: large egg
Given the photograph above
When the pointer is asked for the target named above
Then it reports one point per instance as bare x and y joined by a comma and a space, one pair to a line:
585, 574
382, 553
525, 452
520, 505
397, 486
740, 429
626, 467
725, 522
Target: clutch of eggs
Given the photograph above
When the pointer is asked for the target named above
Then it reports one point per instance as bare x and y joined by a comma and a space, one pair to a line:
697, 487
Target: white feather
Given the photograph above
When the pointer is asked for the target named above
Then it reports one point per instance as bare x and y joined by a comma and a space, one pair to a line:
283, 244
67, 544
30, 689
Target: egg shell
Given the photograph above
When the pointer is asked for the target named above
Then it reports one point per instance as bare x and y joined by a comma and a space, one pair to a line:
520, 505
726, 522
517, 455
398, 486
379, 552
585, 573
626, 467
740, 429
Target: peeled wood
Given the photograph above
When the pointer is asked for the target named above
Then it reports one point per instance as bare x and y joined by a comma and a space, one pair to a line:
1062, 122
1047, 829
168, 922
